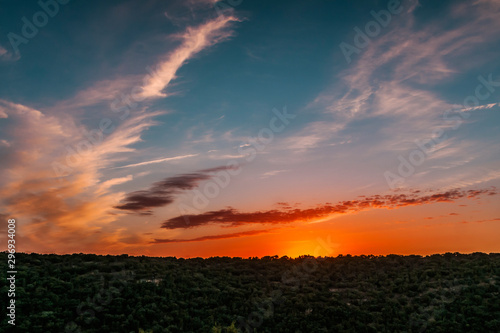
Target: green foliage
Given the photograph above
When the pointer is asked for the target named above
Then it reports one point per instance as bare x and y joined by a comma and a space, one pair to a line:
228, 329
89, 293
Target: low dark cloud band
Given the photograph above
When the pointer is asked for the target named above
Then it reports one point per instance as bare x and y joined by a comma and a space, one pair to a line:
232, 217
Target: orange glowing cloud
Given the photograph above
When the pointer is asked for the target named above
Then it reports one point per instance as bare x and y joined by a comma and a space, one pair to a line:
232, 217
62, 212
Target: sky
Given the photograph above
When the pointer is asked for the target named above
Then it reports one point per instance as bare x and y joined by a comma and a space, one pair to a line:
201, 128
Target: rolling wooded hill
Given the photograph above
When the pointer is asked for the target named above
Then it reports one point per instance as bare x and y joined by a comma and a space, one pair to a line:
91, 293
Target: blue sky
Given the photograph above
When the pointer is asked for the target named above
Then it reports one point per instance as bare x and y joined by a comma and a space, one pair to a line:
204, 79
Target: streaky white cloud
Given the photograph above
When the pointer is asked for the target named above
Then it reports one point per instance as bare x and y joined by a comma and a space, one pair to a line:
194, 40
103, 91
453, 164
405, 55
166, 159
470, 177
272, 173
104, 186
225, 156
313, 135
480, 107
392, 82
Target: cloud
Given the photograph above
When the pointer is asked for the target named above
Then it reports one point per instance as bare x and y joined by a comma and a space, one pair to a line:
72, 208
137, 87
387, 78
482, 221
194, 40
395, 83
272, 173
479, 107
104, 186
313, 135
3, 51
470, 177
231, 217
213, 237
163, 192
70, 211
100, 92
166, 159
7, 55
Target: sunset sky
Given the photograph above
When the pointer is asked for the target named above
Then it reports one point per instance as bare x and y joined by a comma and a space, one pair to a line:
197, 128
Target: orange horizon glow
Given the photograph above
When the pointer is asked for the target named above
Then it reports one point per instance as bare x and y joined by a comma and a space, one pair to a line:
364, 233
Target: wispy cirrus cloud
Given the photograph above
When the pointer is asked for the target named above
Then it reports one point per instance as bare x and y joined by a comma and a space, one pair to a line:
166, 159
384, 80
395, 85
232, 217
135, 87
100, 92
480, 107
69, 211
105, 185
75, 209
272, 173
194, 40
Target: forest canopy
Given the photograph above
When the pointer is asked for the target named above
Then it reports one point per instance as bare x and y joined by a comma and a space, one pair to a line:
449, 292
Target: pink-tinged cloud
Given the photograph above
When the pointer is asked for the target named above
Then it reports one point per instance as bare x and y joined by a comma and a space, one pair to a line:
7, 55
68, 209
389, 79
232, 217
194, 40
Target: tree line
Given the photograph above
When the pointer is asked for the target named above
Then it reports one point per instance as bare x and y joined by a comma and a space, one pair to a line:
449, 292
